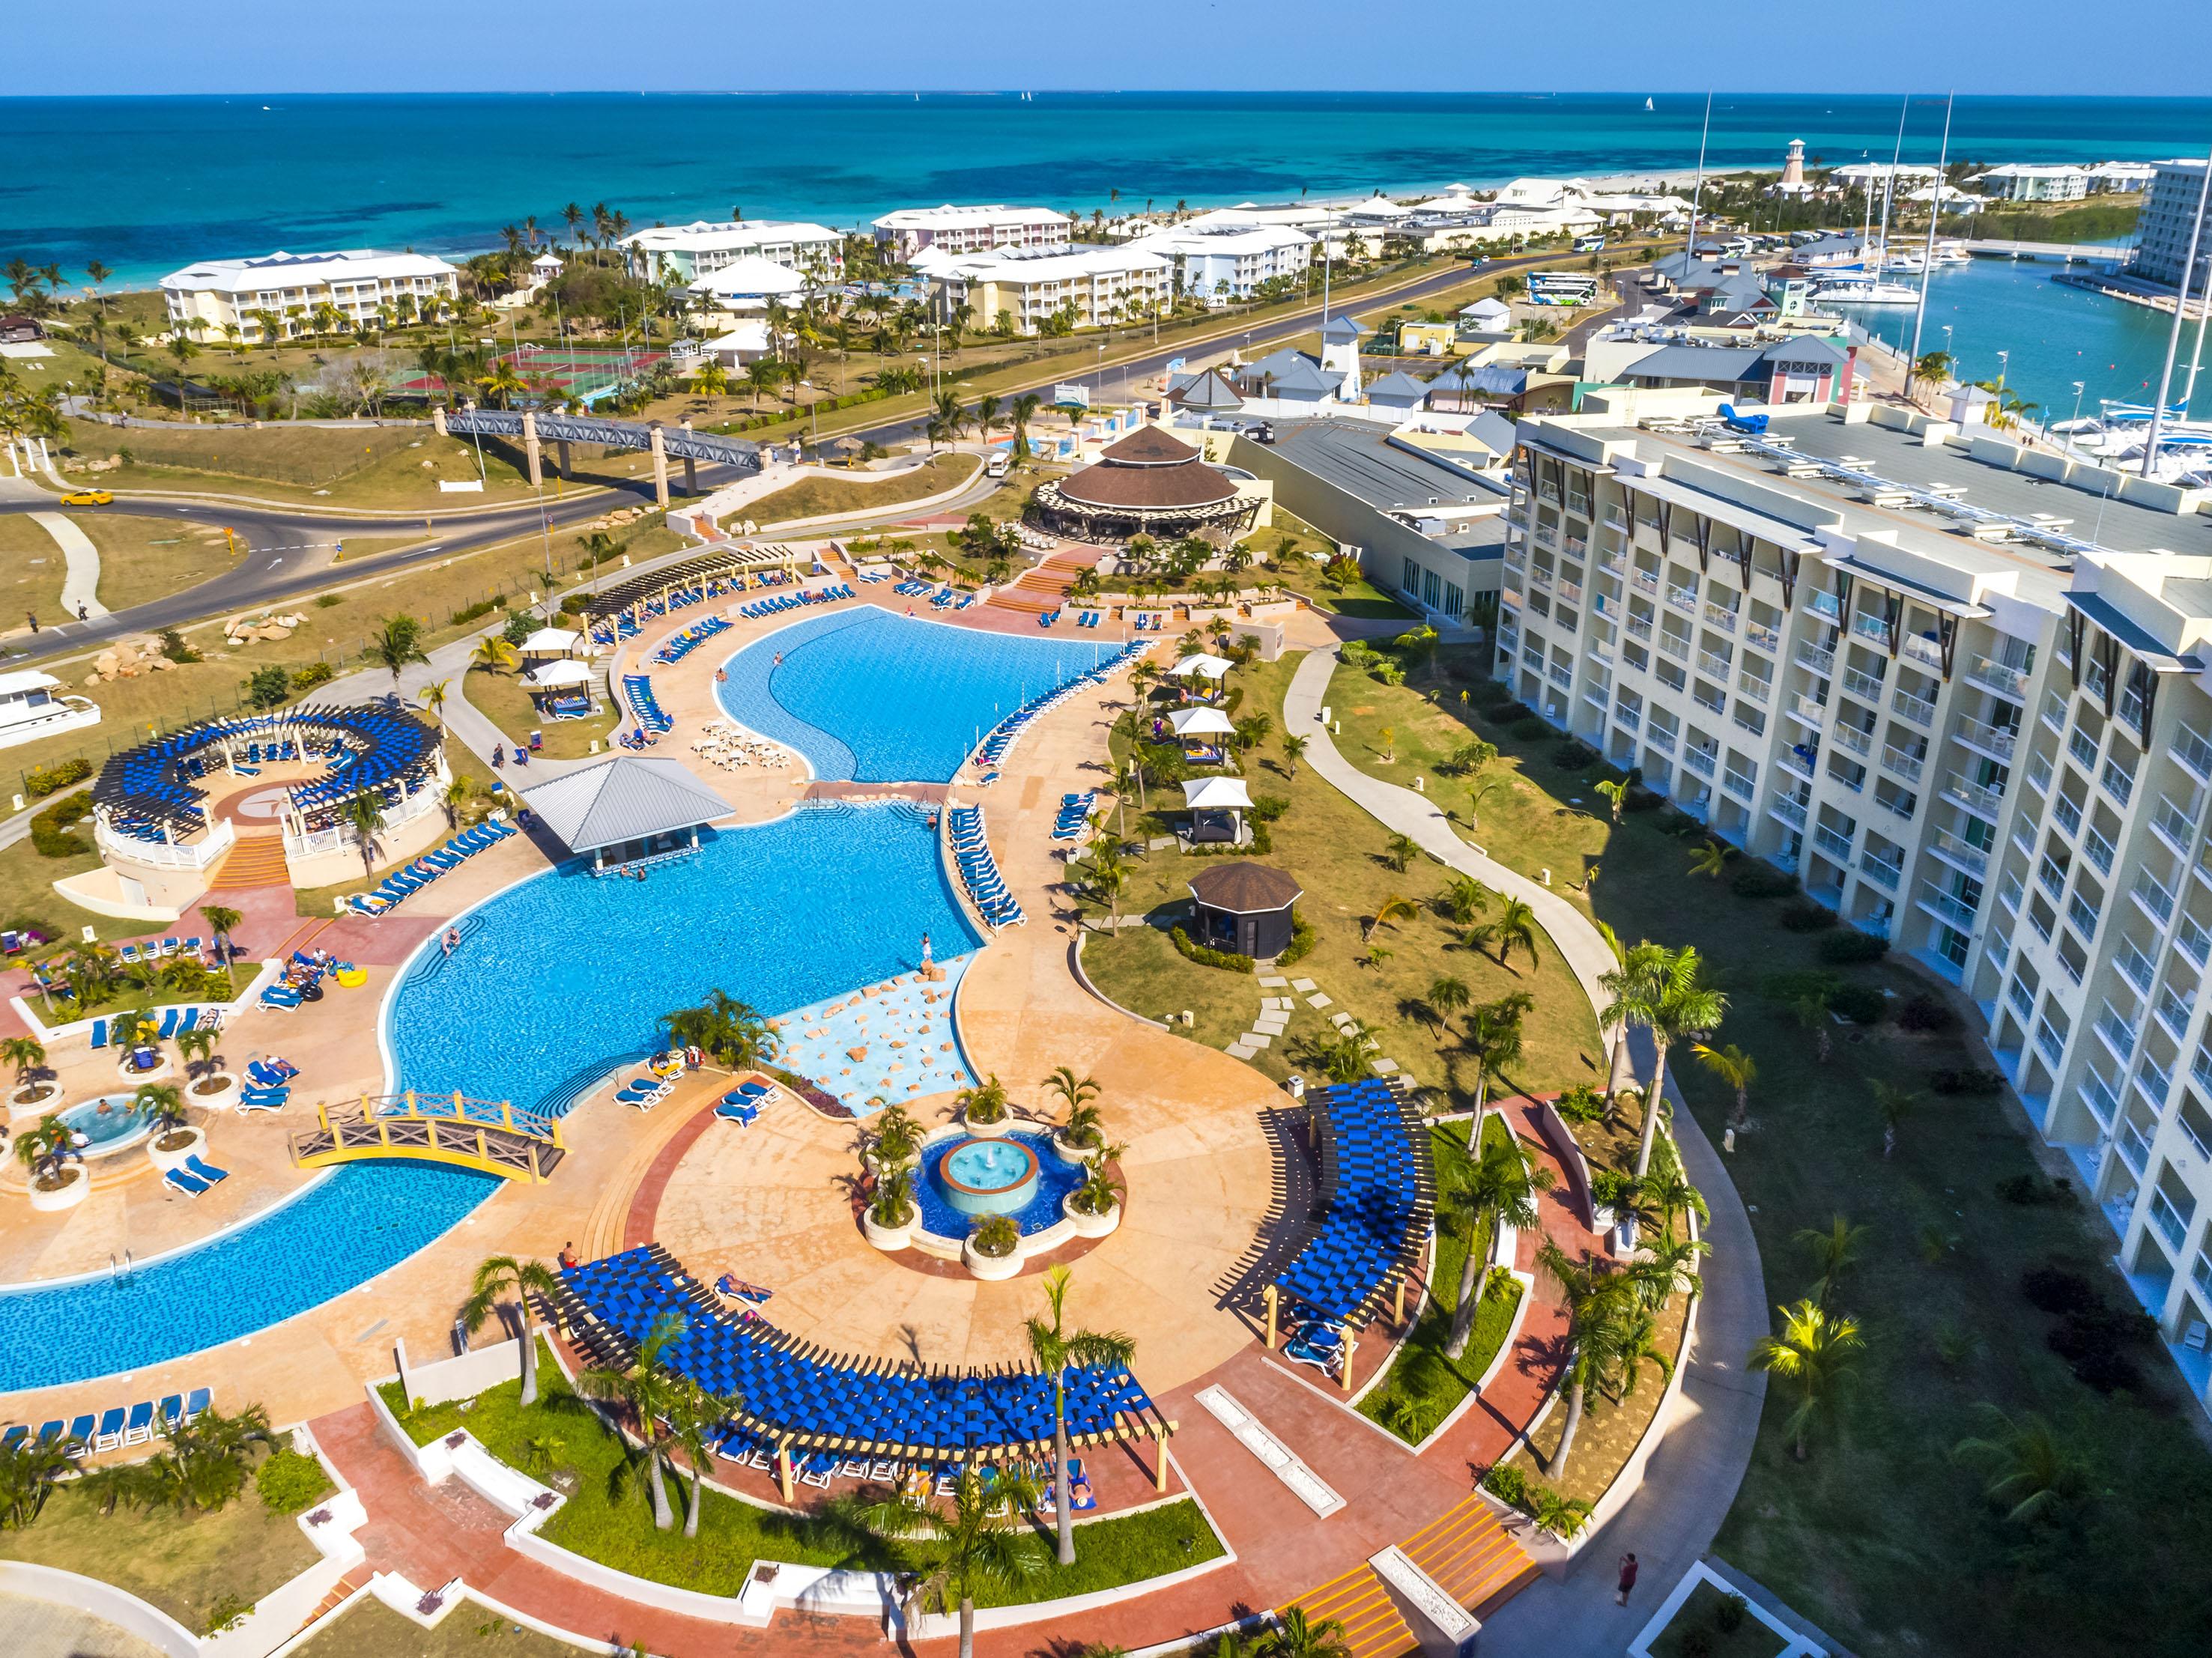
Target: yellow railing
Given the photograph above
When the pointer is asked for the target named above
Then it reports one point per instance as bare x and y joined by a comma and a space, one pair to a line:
490, 1136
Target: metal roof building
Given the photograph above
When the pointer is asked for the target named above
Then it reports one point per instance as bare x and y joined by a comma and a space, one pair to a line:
646, 807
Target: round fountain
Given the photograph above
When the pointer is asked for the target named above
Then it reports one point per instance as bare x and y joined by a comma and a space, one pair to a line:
988, 1176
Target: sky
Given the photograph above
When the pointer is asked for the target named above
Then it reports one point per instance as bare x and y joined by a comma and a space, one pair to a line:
2030, 47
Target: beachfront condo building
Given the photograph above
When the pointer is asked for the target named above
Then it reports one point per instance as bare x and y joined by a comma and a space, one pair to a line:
1088, 285
294, 294
1964, 692
685, 252
1222, 263
907, 231
2175, 203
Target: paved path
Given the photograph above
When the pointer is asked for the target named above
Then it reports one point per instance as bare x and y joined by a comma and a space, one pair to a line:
81, 590
1692, 1480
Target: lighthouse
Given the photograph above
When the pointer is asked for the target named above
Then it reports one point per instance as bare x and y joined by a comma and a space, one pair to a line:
1793, 168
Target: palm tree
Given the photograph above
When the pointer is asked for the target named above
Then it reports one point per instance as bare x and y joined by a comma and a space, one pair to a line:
1395, 908
1737, 1069
1294, 750
1596, 1297
693, 1417
206, 1460
1296, 1637
727, 1029
1516, 925
1021, 412
1075, 1094
29, 1471
1834, 1251
1710, 859
1109, 873
1894, 1104
432, 697
989, 410
196, 1047
1400, 852
1814, 1354
1492, 1037
1675, 1006
26, 1053
1449, 995
1057, 1349
493, 653
181, 350
1465, 898
649, 1392
978, 1544
2033, 1473
498, 1278
1626, 986
221, 921
1495, 1185
396, 642
1615, 794
41, 1149
364, 815
163, 1105
1480, 792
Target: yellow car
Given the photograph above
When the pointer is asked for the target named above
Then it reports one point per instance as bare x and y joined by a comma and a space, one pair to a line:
88, 498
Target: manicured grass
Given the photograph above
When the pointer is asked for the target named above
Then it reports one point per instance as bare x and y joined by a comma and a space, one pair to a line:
819, 497
560, 1436
1423, 1386
185, 1565
1845, 1535
1359, 600
1336, 852
1749, 1639
148, 558
500, 698
372, 1630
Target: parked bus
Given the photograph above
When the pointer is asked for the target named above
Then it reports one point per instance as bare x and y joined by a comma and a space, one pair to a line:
1562, 287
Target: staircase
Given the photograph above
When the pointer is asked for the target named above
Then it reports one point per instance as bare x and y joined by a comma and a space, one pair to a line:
1043, 586
254, 861
1358, 1602
1471, 1557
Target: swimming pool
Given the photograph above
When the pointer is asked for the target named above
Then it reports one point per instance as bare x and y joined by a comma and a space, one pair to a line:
556, 973
872, 697
109, 1123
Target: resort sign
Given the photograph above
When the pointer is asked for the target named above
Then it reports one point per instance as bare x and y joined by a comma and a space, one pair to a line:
1071, 396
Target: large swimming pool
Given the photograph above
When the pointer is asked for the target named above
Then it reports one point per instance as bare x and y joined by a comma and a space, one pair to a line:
555, 975
873, 697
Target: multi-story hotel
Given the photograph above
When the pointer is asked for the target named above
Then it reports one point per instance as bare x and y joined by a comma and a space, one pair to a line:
2162, 234
909, 230
294, 287
1219, 263
1094, 285
700, 249
1965, 692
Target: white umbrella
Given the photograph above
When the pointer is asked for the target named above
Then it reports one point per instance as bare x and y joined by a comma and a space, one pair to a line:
1203, 666
1216, 794
551, 642
563, 672
1200, 722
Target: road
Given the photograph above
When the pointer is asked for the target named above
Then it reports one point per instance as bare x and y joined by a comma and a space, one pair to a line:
286, 560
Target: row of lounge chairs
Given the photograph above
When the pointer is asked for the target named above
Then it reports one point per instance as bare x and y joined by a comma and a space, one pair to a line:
174, 1021
266, 1086
112, 1428
401, 885
830, 1405
644, 1092
1148, 625
1074, 815
1089, 618
682, 645
978, 871
1045, 618
1379, 1195
1002, 735
195, 1178
761, 607
743, 1103
644, 706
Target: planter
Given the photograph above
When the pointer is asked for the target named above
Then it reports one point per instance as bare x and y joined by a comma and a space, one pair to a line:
163, 1069
1088, 1225
1081, 1157
76, 1186
224, 1092
989, 1130
195, 1142
890, 1237
990, 1269
35, 1096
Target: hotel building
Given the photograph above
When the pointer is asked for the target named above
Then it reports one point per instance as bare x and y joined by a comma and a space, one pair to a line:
1096, 285
1221, 262
1964, 691
700, 249
218, 293
2162, 232
909, 230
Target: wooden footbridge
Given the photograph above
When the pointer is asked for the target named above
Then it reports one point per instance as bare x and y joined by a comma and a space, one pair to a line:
490, 1136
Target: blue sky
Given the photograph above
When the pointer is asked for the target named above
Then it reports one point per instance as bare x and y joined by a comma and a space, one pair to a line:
2042, 47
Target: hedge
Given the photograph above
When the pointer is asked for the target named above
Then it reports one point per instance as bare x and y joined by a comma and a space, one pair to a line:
43, 780
1207, 955
50, 831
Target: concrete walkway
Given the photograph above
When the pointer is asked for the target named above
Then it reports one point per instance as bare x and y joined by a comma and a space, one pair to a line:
1691, 1480
81, 590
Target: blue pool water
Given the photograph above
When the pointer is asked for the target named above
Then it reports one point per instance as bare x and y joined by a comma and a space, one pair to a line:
1055, 1179
339, 1233
874, 697
555, 974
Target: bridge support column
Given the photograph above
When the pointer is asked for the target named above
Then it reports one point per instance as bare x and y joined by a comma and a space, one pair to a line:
530, 448
659, 470
690, 469
1273, 1297
437, 420
561, 448
1350, 1347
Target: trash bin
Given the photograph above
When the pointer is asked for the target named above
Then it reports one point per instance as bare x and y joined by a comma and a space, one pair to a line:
1298, 1087
460, 1337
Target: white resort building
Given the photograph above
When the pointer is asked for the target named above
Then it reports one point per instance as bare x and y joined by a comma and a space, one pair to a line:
357, 283
1095, 285
1962, 689
701, 248
909, 230
1219, 263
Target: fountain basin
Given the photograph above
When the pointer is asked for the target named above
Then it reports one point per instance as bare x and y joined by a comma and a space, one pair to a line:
996, 1177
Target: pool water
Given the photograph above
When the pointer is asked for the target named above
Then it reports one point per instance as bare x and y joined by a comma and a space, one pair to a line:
988, 1177
562, 970
109, 1123
1055, 1181
873, 697
897, 1043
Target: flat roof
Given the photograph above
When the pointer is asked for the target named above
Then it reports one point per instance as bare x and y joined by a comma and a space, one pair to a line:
1358, 458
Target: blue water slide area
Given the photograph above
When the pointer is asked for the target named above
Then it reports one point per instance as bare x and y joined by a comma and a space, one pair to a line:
871, 697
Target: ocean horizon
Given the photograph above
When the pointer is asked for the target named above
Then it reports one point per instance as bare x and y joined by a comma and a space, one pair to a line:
146, 184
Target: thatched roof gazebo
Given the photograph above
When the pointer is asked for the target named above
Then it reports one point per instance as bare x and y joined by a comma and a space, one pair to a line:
1149, 483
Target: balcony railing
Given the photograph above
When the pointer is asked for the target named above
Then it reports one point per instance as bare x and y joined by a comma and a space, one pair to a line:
1836, 844
1995, 677
1571, 592
1701, 761
2050, 1045
1975, 860
2098, 850
1753, 687
1713, 663
2135, 967
1645, 581
1808, 711
1683, 599
1981, 800
1661, 738
1992, 740
1759, 634
2119, 782
2190, 747
2083, 748
1823, 605
1869, 627
1904, 765
2152, 895
1742, 784
1938, 902
1812, 656
1640, 627
1676, 645
1712, 701
1881, 873
1626, 720
1719, 615
1918, 709
1925, 651
2118, 1033
1790, 812
1851, 738
1796, 764
1862, 685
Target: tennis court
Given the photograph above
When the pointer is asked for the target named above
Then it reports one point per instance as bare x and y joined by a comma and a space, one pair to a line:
588, 371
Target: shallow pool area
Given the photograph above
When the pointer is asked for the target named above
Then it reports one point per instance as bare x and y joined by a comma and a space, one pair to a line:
881, 1043
109, 1124
1018, 1174
874, 697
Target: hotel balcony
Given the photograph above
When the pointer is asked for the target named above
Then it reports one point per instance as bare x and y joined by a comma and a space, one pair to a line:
1918, 709
1992, 740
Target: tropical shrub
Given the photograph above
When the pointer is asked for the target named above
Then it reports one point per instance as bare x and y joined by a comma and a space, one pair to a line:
1970, 1081
1727, 1617
1581, 1105
986, 1104
1850, 947
1573, 755
1806, 916
1860, 1003
1507, 1484
996, 1236
2032, 1190
1268, 807
1508, 713
1532, 729
1301, 945
42, 781
1758, 879
1206, 955
313, 674
1924, 1012
51, 830
267, 688
893, 1202
288, 1481
2057, 1290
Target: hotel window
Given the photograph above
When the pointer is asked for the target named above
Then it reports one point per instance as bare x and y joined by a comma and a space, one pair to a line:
1410, 582
1432, 588
1454, 599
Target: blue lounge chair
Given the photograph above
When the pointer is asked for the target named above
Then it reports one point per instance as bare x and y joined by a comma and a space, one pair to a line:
110, 1435
190, 1185
99, 1033
140, 1427
80, 1434
189, 1022
169, 1025
50, 1433
206, 1171
171, 1412
197, 1401
13, 1437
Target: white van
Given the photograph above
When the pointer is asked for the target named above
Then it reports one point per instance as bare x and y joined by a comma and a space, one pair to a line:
996, 466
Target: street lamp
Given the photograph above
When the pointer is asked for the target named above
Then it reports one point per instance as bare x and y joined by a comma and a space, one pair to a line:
813, 404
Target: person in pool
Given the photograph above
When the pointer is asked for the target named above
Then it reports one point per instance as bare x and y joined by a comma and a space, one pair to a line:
452, 940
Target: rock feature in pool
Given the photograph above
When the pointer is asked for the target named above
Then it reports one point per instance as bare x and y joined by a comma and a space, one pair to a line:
962, 1179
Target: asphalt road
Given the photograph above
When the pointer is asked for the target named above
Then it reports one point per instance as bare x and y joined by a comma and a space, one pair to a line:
287, 561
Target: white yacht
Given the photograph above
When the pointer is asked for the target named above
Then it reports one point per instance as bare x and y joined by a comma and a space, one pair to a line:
29, 709
1864, 290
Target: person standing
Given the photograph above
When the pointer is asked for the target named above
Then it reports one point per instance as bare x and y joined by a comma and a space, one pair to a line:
1627, 1580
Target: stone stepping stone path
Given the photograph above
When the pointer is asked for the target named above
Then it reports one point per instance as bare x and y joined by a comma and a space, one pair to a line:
1269, 982
1318, 1001
1303, 986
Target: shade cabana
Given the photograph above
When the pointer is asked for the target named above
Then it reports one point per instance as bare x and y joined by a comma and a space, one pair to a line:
1217, 807
552, 641
563, 671
627, 812
1245, 907
1202, 731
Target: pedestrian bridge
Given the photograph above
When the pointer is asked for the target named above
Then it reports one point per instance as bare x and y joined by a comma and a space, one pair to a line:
489, 1136
665, 443
1994, 248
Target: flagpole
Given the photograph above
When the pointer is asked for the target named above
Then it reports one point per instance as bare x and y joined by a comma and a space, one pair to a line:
1697, 195
2174, 334
1928, 255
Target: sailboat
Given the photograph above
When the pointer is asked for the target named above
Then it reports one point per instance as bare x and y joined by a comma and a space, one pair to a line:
1647, 105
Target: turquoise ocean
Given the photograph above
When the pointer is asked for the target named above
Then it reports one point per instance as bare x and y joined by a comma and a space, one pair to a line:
146, 184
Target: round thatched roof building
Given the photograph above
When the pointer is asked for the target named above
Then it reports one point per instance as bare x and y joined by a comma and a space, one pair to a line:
1149, 483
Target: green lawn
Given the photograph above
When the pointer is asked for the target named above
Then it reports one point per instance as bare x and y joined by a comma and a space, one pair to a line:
1696, 1615
185, 1565
561, 1436
1847, 1534
500, 697
1337, 852
1423, 1386
372, 1630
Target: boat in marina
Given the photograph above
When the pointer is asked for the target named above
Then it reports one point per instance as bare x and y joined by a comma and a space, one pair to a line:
32, 705
1864, 290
